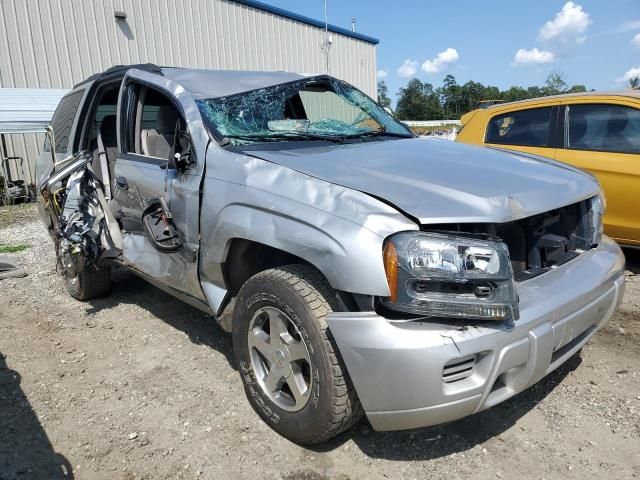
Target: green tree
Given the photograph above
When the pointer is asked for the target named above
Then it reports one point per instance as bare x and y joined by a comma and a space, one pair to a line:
451, 97
634, 83
418, 101
383, 94
555, 84
470, 94
514, 94
576, 89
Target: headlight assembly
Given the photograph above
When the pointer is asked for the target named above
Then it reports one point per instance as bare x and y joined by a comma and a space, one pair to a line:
450, 276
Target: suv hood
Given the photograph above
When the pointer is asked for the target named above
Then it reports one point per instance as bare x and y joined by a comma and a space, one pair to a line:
439, 181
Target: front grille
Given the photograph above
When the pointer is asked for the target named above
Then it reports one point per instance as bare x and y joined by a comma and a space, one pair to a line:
541, 242
537, 243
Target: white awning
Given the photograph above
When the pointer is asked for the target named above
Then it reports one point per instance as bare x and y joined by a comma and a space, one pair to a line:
27, 110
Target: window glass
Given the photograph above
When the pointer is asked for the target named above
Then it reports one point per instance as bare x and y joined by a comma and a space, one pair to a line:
309, 109
604, 128
62, 120
525, 127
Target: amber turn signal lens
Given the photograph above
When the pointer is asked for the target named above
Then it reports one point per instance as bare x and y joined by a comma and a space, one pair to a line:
390, 259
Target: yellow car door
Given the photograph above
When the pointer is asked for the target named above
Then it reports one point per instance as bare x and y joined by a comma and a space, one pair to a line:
529, 130
603, 137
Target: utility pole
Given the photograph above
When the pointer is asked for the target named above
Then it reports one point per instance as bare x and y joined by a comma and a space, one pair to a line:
326, 44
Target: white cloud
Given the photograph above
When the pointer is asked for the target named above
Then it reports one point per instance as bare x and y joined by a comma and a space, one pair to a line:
382, 74
525, 57
636, 41
442, 60
631, 73
568, 28
629, 26
408, 68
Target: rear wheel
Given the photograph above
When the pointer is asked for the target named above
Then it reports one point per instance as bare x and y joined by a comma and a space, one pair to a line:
293, 375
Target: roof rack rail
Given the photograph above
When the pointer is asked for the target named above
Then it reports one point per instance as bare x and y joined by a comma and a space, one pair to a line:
116, 69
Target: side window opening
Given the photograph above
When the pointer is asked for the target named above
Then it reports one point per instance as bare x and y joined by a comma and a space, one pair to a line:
603, 128
528, 128
156, 121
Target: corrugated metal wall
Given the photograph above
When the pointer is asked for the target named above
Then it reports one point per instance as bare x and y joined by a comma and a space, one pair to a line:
57, 43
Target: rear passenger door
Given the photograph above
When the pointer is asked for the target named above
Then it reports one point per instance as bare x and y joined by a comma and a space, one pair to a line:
150, 108
604, 138
530, 130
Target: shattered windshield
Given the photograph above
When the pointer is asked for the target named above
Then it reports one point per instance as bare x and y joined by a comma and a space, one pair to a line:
309, 109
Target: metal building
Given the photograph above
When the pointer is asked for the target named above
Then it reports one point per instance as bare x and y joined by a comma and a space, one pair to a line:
57, 43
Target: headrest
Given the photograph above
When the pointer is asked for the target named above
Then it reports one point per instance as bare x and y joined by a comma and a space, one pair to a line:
108, 131
167, 118
617, 121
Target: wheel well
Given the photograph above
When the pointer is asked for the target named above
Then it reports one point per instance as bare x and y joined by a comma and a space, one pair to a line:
246, 258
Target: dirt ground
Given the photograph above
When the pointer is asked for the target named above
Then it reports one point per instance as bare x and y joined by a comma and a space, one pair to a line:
141, 386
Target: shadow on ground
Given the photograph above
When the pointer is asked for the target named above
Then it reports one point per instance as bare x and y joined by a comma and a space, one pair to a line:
25, 449
202, 329
633, 259
425, 444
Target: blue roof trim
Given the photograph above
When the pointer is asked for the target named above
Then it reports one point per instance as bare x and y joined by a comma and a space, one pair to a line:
310, 21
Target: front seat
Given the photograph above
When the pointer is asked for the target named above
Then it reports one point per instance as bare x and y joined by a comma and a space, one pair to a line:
615, 140
158, 143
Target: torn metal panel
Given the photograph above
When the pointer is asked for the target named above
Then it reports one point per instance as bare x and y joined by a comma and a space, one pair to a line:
86, 232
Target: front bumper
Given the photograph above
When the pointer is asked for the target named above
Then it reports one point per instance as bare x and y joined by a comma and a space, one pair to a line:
415, 374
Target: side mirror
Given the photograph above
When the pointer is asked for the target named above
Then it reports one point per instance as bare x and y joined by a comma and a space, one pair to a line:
181, 157
182, 161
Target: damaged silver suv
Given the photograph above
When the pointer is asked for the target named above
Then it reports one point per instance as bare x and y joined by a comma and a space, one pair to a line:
359, 269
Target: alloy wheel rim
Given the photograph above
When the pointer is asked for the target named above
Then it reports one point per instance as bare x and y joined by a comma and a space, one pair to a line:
280, 359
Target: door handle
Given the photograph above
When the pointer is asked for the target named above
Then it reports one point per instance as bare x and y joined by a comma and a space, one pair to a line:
122, 183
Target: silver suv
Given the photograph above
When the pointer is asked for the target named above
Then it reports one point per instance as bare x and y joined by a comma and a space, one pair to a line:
359, 269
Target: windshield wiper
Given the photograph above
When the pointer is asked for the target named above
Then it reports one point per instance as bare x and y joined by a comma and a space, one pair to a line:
380, 133
279, 137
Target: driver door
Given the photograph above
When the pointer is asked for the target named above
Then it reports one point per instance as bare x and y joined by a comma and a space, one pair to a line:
146, 177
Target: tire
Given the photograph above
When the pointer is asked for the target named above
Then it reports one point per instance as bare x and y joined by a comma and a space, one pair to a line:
305, 298
92, 282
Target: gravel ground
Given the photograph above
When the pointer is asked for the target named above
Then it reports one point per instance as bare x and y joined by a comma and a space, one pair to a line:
141, 386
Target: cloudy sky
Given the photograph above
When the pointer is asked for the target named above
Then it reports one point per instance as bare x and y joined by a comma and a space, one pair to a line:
593, 42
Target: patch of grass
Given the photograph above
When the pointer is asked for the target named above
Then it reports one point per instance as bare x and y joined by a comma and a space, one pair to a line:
13, 248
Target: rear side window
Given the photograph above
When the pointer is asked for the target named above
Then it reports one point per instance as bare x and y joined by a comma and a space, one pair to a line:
603, 128
528, 128
62, 120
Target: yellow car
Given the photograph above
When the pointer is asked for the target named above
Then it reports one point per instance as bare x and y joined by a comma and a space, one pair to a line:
595, 131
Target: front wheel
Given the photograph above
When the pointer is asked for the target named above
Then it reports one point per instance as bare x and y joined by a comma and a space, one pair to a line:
89, 283
291, 368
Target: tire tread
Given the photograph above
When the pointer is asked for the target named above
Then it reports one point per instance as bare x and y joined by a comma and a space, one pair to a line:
92, 282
